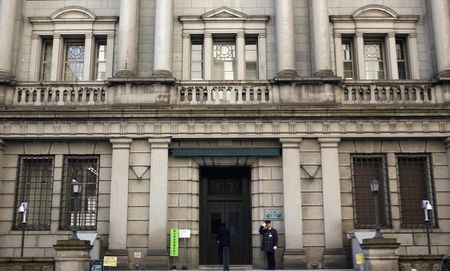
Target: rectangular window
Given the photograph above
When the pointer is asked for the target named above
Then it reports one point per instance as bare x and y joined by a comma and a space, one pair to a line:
374, 59
415, 181
402, 64
100, 59
46, 60
74, 61
224, 55
347, 58
251, 58
35, 186
196, 58
85, 170
366, 168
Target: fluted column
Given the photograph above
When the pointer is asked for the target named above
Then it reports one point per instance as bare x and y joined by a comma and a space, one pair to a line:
284, 28
118, 209
334, 254
163, 38
159, 161
8, 11
292, 201
321, 38
441, 24
128, 38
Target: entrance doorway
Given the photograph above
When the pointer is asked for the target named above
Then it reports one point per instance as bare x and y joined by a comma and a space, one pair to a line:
225, 198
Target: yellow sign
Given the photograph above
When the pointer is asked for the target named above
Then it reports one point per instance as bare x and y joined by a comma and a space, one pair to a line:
110, 261
359, 258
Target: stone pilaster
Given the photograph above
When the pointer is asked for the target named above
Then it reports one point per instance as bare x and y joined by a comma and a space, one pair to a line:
334, 254
392, 56
2, 150
294, 255
284, 29
448, 155
320, 37
441, 20
360, 62
88, 56
72, 255
57, 51
159, 159
163, 38
118, 214
240, 55
208, 48
128, 38
262, 63
8, 17
187, 49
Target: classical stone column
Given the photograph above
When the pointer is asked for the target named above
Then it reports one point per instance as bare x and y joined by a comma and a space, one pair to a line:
118, 210
163, 38
88, 55
320, 37
109, 55
392, 56
334, 254
448, 155
57, 51
35, 58
240, 55
441, 24
294, 255
8, 16
159, 159
338, 53
262, 63
128, 38
284, 29
186, 75
413, 56
208, 47
360, 62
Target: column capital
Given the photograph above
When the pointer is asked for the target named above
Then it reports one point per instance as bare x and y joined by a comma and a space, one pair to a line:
121, 143
57, 36
290, 142
207, 35
159, 142
391, 34
110, 36
88, 35
412, 35
337, 35
262, 35
329, 142
359, 34
35, 36
186, 36
240, 34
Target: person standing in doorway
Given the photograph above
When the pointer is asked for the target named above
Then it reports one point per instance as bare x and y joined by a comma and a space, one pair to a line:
223, 241
269, 242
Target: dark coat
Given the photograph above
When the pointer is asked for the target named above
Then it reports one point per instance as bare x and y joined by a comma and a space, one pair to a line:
269, 239
223, 237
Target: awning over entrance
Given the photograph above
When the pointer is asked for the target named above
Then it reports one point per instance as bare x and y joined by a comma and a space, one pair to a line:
225, 152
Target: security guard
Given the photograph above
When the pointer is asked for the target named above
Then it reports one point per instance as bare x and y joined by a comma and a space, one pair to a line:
269, 242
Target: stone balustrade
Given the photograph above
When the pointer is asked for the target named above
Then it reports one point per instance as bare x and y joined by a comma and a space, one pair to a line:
59, 95
225, 93
388, 93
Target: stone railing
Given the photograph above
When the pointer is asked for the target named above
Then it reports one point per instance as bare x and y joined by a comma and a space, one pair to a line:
224, 93
373, 92
60, 94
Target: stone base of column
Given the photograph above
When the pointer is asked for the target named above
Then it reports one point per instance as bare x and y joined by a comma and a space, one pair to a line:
162, 73
72, 255
443, 74
125, 74
380, 254
334, 258
158, 259
287, 73
324, 73
122, 258
294, 259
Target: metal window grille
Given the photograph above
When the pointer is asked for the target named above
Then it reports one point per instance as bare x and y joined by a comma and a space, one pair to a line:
77, 167
34, 185
366, 168
415, 185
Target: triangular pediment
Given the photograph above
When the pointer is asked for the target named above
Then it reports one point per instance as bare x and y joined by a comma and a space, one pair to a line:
375, 11
224, 12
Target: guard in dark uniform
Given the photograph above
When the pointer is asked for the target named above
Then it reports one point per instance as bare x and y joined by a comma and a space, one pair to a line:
269, 242
223, 242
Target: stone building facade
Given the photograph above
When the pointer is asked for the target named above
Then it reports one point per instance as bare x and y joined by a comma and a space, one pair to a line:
188, 113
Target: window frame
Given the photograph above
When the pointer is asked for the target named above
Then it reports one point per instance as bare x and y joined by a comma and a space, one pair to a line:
386, 193
431, 191
72, 41
21, 197
100, 41
86, 178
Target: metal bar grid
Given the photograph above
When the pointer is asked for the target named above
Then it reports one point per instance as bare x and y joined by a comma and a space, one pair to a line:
35, 186
80, 168
415, 184
366, 168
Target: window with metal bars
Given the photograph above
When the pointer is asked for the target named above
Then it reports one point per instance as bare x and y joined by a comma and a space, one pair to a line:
85, 170
415, 185
35, 186
366, 168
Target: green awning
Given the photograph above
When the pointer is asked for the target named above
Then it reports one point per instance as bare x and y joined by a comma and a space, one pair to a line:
224, 152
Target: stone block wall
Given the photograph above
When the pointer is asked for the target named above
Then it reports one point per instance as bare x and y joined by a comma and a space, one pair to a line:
40, 243
413, 241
